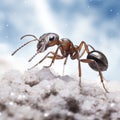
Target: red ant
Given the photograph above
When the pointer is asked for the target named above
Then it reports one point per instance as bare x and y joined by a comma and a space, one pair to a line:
95, 59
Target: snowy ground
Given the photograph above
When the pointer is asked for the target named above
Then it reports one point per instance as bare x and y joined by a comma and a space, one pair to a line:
43, 95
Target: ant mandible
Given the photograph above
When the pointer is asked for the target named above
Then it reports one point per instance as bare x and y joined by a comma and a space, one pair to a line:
95, 59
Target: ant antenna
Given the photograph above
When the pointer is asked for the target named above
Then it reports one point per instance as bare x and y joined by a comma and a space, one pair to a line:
23, 46
28, 35
26, 42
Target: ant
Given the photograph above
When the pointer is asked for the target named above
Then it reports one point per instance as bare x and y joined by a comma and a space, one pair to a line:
95, 59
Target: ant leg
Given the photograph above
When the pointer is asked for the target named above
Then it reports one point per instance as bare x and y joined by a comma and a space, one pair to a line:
58, 57
65, 64
41, 60
79, 72
100, 73
54, 56
80, 47
91, 47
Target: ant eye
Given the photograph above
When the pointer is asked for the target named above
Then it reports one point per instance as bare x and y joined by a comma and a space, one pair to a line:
51, 38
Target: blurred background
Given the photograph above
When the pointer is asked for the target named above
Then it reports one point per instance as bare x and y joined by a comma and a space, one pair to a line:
95, 21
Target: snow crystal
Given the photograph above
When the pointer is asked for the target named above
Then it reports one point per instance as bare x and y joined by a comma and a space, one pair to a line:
44, 95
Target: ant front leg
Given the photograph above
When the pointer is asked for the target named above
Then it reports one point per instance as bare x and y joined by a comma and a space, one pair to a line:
41, 60
53, 58
59, 57
98, 69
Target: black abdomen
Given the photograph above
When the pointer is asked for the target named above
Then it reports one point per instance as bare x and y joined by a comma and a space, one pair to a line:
100, 59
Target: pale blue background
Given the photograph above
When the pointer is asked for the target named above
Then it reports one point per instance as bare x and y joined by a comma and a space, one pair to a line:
95, 21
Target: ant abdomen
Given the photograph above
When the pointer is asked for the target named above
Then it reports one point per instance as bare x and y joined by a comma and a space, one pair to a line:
99, 58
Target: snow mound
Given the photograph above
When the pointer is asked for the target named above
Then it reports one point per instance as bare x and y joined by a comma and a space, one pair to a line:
43, 95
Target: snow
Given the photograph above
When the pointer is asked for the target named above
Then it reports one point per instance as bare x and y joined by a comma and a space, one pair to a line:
44, 95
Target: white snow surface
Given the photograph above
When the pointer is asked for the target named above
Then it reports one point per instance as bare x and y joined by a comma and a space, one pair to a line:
44, 95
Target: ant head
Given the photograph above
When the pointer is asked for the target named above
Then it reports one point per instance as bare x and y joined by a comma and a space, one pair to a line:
47, 40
